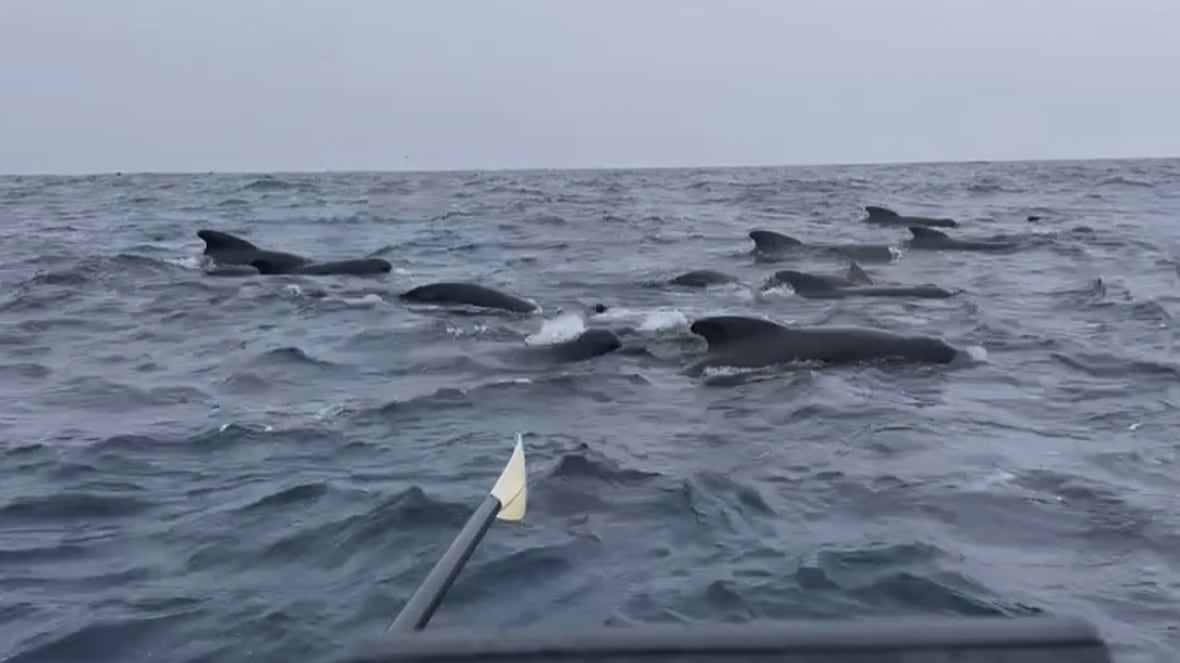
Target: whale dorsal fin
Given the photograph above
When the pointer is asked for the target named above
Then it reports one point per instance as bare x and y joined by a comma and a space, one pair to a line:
878, 212
857, 274
803, 281
927, 233
724, 329
768, 240
215, 240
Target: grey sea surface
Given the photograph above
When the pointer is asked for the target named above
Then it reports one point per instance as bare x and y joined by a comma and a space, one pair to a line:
205, 468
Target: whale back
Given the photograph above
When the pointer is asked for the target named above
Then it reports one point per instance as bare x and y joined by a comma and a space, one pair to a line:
589, 344
886, 216
722, 330
804, 281
701, 278
842, 345
467, 293
276, 262
357, 266
925, 291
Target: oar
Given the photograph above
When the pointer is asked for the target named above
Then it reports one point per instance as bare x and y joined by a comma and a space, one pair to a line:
505, 502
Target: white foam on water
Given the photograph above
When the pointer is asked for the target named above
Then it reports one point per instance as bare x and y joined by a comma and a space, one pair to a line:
908, 320
556, 330
189, 262
618, 314
650, 320
265, 428
663, 320
476, 329
745, 292
779, 290
368, 301
988, 481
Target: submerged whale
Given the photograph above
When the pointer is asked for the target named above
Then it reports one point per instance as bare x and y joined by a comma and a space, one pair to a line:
236, 256
887, 217
928, 238
472, 294
856, 275
813, 286
700, 278
770, 245
746, 342
589, 344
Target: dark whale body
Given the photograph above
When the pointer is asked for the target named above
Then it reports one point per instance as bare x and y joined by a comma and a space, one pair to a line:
587, 345
234, 256
856, 275
813, 286
745, 342
701, 278
471, 294
770, 245
887, 217
935, 240
358, 266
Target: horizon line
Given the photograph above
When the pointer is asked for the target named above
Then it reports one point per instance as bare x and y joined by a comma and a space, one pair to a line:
527, 169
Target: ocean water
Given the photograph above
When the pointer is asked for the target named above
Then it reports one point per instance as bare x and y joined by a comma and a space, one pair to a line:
205, 468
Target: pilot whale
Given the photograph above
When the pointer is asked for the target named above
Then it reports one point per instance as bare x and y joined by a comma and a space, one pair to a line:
747, 342
471, 294
589, 344
813, 286
233, 254
887, 217
770, 246
357, 266
701, 278
856, 275
928, 238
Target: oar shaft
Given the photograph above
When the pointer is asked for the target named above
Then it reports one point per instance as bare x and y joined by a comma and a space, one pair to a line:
422, 604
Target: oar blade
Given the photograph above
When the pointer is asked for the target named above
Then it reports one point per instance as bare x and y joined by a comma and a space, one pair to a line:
511, 488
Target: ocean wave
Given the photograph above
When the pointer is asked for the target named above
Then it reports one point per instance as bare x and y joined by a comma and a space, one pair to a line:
291, 454
585, 463
410, 510
72, 507
1106, 365
96, 393
290, 355
302, 493
100, 640
267, 184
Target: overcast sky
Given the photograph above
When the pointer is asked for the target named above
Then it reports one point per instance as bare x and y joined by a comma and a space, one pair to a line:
262, 85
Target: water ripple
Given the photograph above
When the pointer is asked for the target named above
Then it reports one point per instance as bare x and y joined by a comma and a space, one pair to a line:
220, 467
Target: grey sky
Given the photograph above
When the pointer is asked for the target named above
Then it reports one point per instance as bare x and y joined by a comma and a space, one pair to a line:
257, 85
